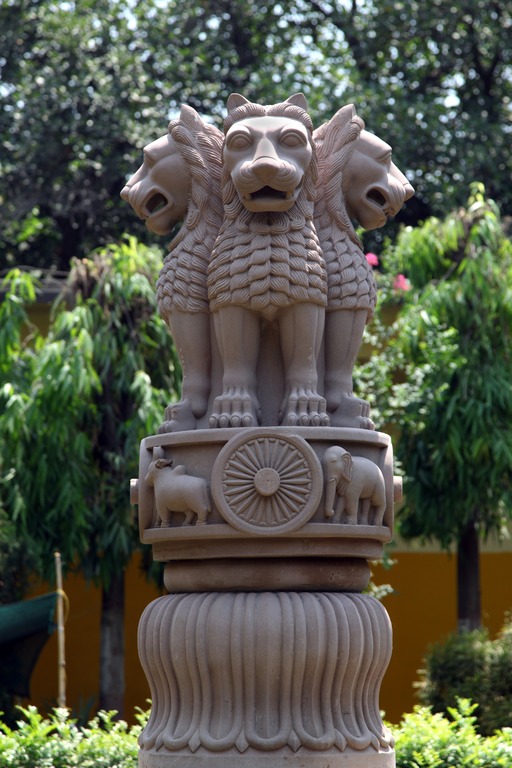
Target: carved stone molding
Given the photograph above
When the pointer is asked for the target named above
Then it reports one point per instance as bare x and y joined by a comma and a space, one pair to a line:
281, 483
265, 673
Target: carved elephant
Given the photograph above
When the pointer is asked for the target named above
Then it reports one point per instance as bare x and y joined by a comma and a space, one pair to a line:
175, 491
354, 479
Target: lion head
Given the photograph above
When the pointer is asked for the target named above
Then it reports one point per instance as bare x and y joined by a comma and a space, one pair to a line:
268, 153
335, 142
148, 189
374, 188
180, 168
267, 254
357, 178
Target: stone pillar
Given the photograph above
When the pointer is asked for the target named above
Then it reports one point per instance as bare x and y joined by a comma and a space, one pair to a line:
268, 490
265, 651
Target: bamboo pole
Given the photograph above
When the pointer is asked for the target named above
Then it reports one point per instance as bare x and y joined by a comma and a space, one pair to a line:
61, 697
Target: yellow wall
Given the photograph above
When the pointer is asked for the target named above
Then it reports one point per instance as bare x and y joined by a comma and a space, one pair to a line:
82, 647
422, 609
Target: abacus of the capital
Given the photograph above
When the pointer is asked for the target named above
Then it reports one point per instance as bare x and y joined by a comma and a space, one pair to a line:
267, 488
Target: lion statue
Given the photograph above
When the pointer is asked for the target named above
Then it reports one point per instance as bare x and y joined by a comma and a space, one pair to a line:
179, 180
356, 180
267, 265
267, 242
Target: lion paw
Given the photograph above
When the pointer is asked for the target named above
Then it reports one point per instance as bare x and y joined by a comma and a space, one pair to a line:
305, 408
178, 418
352, 412
234, 408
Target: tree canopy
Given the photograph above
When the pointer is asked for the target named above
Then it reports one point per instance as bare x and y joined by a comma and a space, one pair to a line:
74, 406
84, 87
452, 402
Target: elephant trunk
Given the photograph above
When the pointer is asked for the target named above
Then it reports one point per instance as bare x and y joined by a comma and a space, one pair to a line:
330, 496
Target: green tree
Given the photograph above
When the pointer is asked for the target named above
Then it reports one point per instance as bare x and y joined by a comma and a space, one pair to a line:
86, 85
432, 79
453, 344
74, 407
75, 101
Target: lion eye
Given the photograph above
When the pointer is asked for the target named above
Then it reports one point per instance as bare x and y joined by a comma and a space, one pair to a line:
292, 139
239, 141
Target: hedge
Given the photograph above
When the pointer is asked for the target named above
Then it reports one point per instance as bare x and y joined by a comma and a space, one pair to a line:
423, 740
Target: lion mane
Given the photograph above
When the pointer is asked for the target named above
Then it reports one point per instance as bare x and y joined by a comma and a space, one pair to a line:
267, 261
183, 279
350, 282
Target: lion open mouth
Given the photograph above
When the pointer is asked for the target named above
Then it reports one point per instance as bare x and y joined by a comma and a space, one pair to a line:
155, 204
375, 196
269, 192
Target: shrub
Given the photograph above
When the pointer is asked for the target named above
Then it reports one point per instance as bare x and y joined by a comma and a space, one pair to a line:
498, 710
429, 740
471, 665
58, 742
423, 740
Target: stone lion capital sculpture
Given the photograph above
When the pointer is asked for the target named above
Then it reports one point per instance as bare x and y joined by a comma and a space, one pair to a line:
267, 264
179, 181
266, 289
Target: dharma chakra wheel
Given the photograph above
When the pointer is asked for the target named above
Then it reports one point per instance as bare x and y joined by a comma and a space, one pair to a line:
266, 483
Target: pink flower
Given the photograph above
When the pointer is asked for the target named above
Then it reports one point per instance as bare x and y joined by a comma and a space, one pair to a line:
372, 259
401, 283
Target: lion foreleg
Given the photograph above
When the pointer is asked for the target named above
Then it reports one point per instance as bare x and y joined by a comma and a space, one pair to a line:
191, 334
344, 330
237, 331
301, 328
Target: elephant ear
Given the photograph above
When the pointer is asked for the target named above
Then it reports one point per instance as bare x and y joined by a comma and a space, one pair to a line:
347, 465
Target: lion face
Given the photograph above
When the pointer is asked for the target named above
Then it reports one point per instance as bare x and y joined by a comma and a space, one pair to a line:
159, 191
267, 158
373, 186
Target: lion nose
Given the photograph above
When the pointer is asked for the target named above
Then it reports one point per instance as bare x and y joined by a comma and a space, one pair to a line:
265, 169
408, 191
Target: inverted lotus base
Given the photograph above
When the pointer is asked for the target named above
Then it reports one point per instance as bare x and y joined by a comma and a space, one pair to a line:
269, 678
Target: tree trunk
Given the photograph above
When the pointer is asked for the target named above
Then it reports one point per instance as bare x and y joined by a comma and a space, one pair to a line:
469, 611
112, 647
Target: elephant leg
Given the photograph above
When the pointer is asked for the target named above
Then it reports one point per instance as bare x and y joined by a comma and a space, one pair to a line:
365, 511
378, 517
352, 506
339, 508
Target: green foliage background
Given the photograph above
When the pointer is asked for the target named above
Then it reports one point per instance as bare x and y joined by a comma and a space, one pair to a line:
441, 372
84, 86
423, 740
75, 405
476, 667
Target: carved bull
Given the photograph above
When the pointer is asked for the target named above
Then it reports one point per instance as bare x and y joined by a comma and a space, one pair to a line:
175, 491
